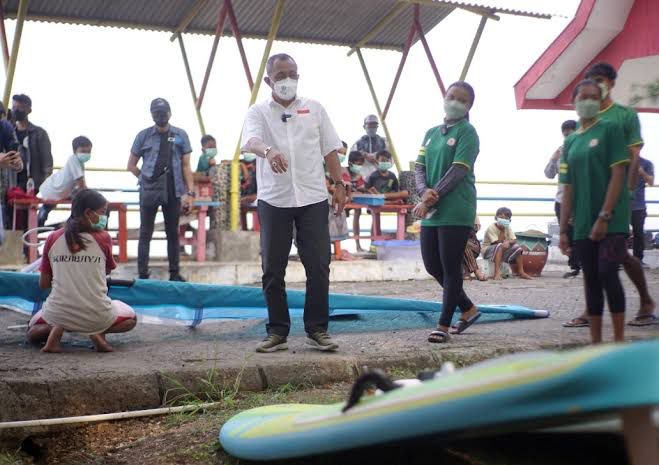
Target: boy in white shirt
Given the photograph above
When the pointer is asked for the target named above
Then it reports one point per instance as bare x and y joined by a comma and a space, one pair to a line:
66, 182
500, 244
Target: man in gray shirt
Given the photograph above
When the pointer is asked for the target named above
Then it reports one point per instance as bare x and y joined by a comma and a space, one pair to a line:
551, 170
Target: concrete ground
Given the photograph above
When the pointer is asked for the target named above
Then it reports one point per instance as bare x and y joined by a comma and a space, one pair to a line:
153, 364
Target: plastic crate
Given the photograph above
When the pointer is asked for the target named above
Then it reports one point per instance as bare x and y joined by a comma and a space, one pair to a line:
398, 250
375, 200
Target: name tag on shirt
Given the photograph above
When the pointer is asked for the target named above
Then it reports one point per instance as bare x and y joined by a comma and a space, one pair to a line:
303, 111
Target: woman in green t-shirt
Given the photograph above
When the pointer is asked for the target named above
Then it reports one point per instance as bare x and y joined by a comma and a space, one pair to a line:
445, 181
592, 169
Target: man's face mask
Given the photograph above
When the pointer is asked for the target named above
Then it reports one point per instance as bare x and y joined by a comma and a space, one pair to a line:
285, 89
161, 118
371, 131
249, 157
19, 115
384, 165
355, 169
211, 152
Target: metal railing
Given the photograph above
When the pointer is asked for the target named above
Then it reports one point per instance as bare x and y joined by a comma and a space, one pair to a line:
534, 214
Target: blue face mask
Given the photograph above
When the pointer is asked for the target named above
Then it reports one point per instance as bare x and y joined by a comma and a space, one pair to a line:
356, 169
342, 158
384, 165
503, 222
84, 157
210, 152
101, 224
247, 156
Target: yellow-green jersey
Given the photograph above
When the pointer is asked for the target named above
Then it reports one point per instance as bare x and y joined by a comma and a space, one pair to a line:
626, 118
443, 146
586, 163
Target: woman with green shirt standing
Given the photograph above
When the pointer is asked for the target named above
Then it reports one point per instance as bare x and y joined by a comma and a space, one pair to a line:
592, 169
446, 183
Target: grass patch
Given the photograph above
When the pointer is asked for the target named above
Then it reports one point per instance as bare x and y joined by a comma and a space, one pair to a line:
13, 458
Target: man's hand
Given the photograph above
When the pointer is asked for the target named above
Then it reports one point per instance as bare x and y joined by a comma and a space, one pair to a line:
9, 159
421, 210
557, 154
373, 190
339, 199
600, 228
430, 197
186, 202
564, 244
278, 162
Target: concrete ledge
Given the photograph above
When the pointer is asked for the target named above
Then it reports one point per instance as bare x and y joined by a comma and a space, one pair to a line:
25, 399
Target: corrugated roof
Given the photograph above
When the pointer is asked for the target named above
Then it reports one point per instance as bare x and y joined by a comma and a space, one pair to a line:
339, 22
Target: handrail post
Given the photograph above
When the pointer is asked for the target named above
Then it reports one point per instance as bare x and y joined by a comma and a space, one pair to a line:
18, 33
235, 166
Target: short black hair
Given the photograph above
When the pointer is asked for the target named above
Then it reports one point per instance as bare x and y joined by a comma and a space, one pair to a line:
273, 58
206, 138
355, 156
601, 69
504, 211
22, 98
383, 154
80, 141
345, 145
466, 86
569, 125
586, 82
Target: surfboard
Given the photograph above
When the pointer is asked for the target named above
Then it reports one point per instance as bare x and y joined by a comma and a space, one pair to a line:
168, 302
520, 392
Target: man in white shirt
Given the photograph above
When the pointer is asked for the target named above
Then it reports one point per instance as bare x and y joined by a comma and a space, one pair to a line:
64, 183
293, 137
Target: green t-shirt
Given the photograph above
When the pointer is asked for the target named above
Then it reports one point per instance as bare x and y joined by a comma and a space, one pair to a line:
438, 153
204, 163
626, 118
586, 164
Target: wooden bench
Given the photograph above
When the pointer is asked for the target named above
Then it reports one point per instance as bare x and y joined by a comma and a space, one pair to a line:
32, 208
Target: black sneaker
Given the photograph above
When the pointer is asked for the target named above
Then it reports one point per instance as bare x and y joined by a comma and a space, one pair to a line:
571, 274
144, 275
322, 341
177, 277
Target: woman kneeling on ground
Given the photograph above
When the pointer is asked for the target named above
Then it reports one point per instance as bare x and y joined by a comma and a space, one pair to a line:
445, 181
76, 260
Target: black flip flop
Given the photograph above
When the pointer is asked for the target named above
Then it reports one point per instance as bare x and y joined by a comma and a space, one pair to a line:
438, 337
462, 325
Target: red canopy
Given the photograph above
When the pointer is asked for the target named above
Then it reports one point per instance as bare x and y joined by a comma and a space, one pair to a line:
624, 33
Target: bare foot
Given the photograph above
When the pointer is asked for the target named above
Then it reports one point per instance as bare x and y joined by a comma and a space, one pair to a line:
52, 344
55, 348
647, 308
524, 276
469, 313
466, 277
497, 277
480, 276
100, 343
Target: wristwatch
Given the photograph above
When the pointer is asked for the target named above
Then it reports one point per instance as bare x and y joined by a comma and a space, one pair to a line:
340, 182
267, 151
606, 216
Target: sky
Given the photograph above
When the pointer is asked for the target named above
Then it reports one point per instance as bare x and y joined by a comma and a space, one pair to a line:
99, 82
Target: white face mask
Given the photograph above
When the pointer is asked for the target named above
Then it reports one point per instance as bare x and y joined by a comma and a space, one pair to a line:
285, 89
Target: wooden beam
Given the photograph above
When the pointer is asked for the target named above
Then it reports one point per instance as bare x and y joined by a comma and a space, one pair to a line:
472, 50
386, 19
192, 14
